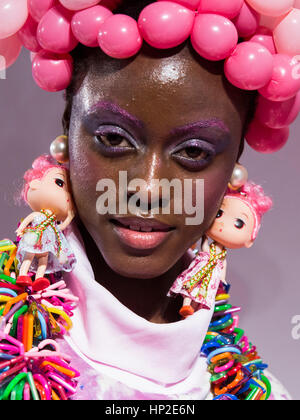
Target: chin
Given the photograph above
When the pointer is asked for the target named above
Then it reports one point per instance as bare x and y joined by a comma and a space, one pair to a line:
139, 267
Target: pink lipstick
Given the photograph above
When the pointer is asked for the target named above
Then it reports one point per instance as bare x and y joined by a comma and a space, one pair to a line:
142, 234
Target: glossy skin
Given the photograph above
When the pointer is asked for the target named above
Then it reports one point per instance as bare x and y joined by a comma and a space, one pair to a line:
164, 91
234, 225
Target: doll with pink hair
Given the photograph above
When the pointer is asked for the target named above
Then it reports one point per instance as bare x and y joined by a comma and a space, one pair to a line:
43, 248
236, 226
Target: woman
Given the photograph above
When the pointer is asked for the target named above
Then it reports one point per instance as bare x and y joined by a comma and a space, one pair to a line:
162, 114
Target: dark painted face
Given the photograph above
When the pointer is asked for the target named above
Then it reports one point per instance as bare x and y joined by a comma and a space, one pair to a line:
157, 116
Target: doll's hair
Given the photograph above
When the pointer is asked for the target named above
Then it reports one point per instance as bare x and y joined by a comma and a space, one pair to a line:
255, 198
40, 167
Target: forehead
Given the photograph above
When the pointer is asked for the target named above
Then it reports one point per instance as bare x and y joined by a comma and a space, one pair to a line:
56, 172
236, 207
172, 88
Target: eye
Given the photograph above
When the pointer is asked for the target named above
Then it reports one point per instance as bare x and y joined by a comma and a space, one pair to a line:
194, 154
59, 182
220, 214
114, 140
239, 224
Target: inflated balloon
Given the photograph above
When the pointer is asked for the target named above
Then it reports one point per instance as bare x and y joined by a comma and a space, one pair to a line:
270, 22
214, 37
13, 15
284, 83
78, 4
246, 22
86, 24
28, 36
190, 4
287, 34
119, 37
271, 7
10, 49
266, 140
229, 9
277, 114
297, 4
166, 25
54, 31
266, 39
52, 72
38, 8
250, 66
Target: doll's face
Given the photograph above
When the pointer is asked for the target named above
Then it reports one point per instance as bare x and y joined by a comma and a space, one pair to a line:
234, 225
154, 116
51, 193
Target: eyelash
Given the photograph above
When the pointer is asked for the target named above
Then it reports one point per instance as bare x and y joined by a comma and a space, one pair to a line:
102, 134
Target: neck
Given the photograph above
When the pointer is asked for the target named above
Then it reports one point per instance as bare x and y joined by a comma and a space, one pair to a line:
145, 297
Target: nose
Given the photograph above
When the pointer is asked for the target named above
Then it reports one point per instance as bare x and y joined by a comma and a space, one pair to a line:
147, 185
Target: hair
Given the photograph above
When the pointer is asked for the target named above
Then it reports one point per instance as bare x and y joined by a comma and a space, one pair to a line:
254, 197
40, 167
82, 54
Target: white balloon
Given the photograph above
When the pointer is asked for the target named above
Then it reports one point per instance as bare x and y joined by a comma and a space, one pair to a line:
272, 7
13, 15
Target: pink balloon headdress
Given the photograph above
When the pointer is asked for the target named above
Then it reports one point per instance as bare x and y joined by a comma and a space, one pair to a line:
258, 40
254, 197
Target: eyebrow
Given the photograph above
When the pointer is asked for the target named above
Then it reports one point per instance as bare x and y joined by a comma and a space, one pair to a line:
245, 215
118, 111
193, 127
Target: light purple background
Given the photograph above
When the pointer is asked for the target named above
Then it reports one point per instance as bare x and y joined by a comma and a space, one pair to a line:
265, 280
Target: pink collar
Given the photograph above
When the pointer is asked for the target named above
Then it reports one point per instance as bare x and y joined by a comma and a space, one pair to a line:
108, 333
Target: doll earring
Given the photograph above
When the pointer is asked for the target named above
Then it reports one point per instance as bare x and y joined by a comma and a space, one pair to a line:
239, 177
59, 149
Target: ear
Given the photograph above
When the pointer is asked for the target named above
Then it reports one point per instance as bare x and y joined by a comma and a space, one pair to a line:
249, 244
35, 184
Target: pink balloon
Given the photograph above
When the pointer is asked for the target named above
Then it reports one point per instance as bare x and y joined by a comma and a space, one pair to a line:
297, 4
285, 81
86, 24
78, 4
52, 72
266, 140
165, 24
271, 7
229, 9
119, 37
38, 8
270, 22
277, 114
246, 22
28, 37
190, 4
214, 37
250, 66
13, 15
287, 34
10, 49
265, 39
54, 31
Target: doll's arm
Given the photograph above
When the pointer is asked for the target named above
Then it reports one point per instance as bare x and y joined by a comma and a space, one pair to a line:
205, 244
224, 272
67, 221
25, 223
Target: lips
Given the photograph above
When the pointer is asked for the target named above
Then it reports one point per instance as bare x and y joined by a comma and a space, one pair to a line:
142, 234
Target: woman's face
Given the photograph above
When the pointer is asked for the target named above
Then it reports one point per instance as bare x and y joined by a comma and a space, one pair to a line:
157, 116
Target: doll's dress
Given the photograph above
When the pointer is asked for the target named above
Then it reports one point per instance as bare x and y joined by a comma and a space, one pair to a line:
51, 240
200, 281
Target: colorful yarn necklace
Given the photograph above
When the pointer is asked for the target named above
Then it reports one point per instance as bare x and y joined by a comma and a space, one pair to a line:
32, 367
